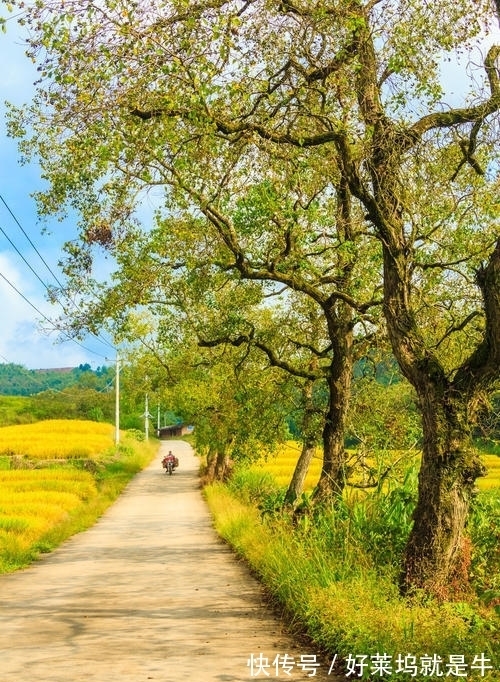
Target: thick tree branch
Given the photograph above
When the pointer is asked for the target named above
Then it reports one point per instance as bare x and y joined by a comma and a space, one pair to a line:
458, 327
481, 369
453, 117
272, 356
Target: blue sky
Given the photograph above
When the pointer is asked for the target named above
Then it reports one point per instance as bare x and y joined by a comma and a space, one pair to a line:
22, 339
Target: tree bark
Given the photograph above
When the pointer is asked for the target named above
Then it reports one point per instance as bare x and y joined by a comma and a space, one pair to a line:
218, 466
210, 469
333, 472
222, 466
308, 429
437, 555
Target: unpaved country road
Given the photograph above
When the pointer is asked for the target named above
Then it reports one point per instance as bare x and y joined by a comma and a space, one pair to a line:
148, 593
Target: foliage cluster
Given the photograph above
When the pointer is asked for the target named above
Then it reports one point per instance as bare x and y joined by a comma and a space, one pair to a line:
333, 570
78, 401
43, 504
72, 403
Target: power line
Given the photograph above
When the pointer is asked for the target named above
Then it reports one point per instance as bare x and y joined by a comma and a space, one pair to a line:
62, 287
23, 258
29, 240
48, 319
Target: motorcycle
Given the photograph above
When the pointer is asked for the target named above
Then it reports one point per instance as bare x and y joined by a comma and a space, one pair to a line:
170, 464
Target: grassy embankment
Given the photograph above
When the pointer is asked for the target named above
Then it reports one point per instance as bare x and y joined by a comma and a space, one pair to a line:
56, 478
335, 572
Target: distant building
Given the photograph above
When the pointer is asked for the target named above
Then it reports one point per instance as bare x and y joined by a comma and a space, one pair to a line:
174, 431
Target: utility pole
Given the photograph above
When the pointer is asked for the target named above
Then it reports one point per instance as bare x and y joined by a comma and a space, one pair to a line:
117, 400
146, 418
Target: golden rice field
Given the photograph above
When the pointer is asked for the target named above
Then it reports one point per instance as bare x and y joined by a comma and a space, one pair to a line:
282, 465
34, 500
56, 438
492, 479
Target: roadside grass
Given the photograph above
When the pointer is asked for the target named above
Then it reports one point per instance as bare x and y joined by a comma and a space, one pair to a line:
42, 507
334, 572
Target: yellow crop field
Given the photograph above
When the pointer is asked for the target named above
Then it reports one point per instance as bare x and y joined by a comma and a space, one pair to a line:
492, 478
282, 465
57, 438
45, 494
33, 501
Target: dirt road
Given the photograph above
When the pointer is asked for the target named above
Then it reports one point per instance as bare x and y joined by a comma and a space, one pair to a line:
148, 593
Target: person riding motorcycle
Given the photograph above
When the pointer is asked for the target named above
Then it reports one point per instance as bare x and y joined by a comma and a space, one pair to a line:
170, 458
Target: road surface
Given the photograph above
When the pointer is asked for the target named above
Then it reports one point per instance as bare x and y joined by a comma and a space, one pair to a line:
149, 593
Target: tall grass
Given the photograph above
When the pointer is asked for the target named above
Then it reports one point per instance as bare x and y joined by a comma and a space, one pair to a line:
335, 571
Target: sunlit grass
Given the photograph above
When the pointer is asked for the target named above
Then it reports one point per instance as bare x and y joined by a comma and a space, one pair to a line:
57, 438
323, 577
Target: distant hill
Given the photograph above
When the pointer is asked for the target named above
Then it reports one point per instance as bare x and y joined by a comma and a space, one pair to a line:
17, 380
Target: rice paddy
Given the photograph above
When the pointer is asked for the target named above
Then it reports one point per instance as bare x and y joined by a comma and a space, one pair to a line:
48, 489
56, 438
32, 501
282, 465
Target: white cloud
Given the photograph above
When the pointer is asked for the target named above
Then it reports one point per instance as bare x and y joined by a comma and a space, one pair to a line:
22, 339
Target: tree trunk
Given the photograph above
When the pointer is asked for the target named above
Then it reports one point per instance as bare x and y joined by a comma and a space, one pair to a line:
223, 466
437, 552
218, 466
210, 470
437, 555
333, 472
308, 429
296, 486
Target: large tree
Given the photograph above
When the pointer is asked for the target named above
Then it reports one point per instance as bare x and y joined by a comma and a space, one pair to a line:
339, 96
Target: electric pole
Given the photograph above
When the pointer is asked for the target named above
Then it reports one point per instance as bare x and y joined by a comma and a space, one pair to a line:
117, 400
